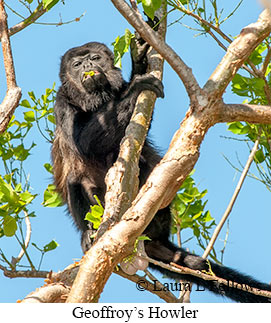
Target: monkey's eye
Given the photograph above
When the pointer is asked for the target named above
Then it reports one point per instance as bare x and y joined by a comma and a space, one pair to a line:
95, 57
76, 64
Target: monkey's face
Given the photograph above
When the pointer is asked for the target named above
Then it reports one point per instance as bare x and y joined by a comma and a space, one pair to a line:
88, 69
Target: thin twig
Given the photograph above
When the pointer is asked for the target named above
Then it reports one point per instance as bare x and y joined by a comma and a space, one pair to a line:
160, 286
233, 199
24, 273
217, 40
27, 240
203, 22
184, 296
266, 61
253, 71
37, 13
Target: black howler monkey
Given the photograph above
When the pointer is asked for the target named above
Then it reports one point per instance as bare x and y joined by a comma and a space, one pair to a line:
93, 108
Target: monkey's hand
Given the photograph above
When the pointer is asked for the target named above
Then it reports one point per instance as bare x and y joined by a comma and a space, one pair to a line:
147, 82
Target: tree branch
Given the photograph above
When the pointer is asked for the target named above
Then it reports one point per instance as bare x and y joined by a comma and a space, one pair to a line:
13, 94
24, 273
149, 35
157, 289
244, 112
36, 14
66, 278
237, 53
53, 293
26, 242
203, 22
232, 201
205, 276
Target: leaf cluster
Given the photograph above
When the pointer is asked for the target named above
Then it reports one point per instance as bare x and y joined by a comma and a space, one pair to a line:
121, 46
257, 90
188, 211
95, 214
16, 195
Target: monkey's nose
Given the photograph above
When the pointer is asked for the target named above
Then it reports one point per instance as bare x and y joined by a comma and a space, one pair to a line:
87, 64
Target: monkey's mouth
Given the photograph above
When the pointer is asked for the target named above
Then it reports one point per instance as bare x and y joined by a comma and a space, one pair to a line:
87, 75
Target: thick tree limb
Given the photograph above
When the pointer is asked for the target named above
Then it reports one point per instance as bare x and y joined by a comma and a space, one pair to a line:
53, 293
237, 53
8, 106
13, 94
245, 112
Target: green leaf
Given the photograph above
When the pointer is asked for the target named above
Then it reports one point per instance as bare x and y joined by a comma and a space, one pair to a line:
196, 231
268, 70
51, 198
240, 85
207, 217
21, 153
121, 46
48, 4
27, 197
259, 156
95, 216
238, 128
26, 104
50, 246
256, 57
32, 96
150, 6
48, 167
52, 119
143, 238
96, 213
9, 226
7, 194
29, 116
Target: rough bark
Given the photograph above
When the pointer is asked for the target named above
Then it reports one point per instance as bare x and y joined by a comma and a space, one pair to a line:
13, 94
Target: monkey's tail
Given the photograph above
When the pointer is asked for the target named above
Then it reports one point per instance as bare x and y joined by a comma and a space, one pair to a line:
238, 287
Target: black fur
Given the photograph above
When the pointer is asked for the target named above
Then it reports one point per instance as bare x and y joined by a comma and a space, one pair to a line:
92, 113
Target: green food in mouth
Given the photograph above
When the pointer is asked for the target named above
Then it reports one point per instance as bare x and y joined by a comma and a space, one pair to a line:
88, 74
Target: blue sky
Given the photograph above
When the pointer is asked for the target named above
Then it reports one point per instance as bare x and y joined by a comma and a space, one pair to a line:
37, 51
